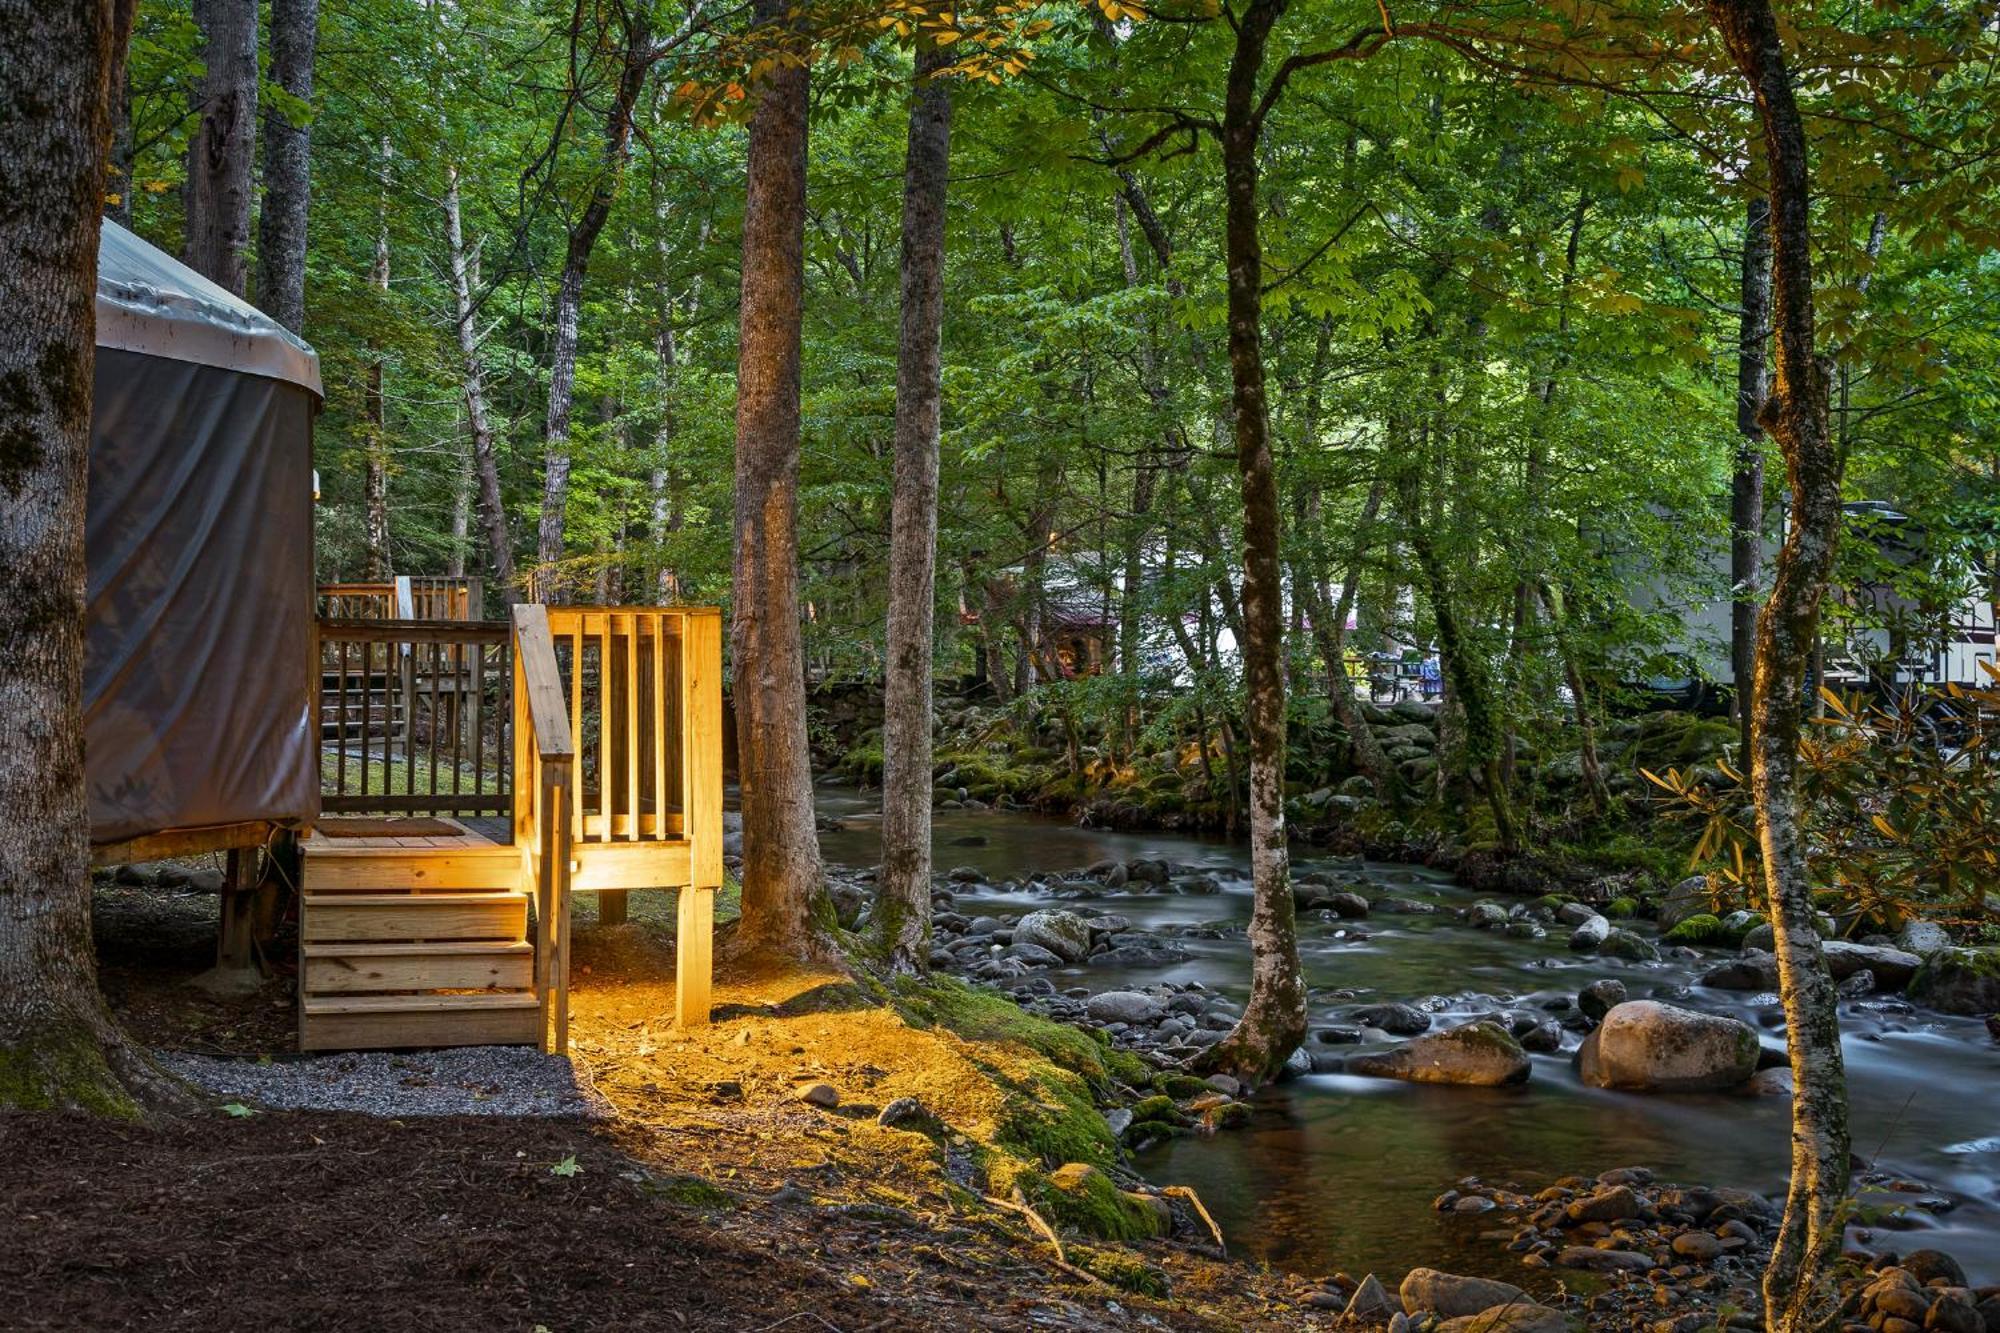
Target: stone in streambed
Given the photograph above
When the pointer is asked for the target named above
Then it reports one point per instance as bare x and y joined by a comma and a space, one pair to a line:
1124, 1006
1646, 1046
1479, 1054
1370, 1302
1429, 1291
1064, 934
1754, 971
1590, 934
1601, 997
1893, 968
1517, 1317
1959, 981
1399, 1020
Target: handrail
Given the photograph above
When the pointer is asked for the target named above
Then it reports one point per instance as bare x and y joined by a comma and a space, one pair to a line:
545, 710
544, 753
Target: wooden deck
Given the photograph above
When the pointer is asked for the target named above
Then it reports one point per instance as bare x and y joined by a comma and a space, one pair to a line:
424, 924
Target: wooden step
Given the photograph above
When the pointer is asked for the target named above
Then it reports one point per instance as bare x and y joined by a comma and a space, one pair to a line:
381, 869
325, 918
375, 1022
346, 969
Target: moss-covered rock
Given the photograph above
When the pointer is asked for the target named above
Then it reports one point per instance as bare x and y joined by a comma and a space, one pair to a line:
1959, 981
1622, 909
1082, 1198
1701, 928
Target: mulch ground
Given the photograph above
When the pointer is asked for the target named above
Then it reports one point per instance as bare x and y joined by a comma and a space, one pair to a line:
323, 1221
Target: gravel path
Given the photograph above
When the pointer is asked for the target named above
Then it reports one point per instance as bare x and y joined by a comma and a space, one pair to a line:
468, 1080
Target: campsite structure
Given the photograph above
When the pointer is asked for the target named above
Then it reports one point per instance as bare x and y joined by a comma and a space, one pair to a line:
450, 781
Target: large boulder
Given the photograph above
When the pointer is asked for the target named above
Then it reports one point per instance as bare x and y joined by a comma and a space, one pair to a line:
1064, 934
1429, 1291
1922, 938
1893, 968
1690, 897
1479, 1055
1124, 1006
1646, 1046
1755, 970
1959, 981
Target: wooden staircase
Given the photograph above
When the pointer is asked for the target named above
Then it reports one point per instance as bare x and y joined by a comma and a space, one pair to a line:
415, 942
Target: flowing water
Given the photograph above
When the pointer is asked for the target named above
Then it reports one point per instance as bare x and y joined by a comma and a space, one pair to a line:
1337, 1172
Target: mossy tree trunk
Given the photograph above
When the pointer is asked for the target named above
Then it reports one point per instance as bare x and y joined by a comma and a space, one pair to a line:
903, 901
1799, 1293
1274, 1019
786, 910
58, 1046
1746, 484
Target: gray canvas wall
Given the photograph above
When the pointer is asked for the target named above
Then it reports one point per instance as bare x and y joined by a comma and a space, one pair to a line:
197, 679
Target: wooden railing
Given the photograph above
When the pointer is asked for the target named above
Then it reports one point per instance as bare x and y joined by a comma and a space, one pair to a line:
645, 714
544, 760
413, 716
406, 597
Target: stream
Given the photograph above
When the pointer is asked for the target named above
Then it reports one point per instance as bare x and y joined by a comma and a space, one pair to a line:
1337, 1172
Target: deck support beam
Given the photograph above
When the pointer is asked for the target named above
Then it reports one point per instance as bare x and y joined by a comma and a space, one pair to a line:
694, 956
613, 907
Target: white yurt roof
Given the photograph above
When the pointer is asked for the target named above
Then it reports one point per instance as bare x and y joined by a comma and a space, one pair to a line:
150, 303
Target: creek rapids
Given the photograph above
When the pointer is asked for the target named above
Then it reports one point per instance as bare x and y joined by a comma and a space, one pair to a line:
1338, 1172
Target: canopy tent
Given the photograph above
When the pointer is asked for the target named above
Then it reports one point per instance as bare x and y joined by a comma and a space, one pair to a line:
198, 689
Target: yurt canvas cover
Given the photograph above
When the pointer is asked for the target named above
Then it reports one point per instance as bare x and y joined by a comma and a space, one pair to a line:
197, 689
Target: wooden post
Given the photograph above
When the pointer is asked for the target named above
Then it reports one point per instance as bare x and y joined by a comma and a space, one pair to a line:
234, 931
701, 813
694, 955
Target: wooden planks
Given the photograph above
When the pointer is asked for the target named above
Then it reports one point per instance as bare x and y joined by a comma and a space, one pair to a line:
345, 969
449, 1020
701, 745
402, 916
362, 869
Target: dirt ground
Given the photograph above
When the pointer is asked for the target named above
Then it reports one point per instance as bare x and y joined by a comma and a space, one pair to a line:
712, 1198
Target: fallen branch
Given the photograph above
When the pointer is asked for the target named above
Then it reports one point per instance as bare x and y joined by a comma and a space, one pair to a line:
1193, 1200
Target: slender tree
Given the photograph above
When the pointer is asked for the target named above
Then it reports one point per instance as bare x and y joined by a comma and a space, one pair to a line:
1798, 1289
1274, 1020
223, 147
785, 908
281, 226
903, 901
472, 375
58, 1045
1746, 483
635, 58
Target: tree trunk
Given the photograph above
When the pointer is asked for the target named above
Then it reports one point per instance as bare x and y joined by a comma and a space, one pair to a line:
785, 908
58, 1045
223, 145
485, 465
1799, 1293
377, 565
1329, 626
281, 228
1746, 485
903, 900
568, 312
1274, 1019
665, 482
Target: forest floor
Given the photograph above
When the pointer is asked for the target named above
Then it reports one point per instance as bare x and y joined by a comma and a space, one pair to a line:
711, 1196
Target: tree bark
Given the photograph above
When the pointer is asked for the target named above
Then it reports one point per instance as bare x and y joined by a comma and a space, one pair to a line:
1274, 1019
1799, 1293
568, 314
223, 146
58, 1046
377, 565
281, 227
785, 908
485, 464
903, 899
1329, 627
1746, 484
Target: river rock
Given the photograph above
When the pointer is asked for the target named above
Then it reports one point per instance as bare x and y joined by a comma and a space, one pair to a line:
1545, 1038
1370, 1303
1479, 1054
1604, 1261
1614, 1203
1753, 971
1959, 981
1629, 945
1930, 1266
1064, 934
1646, 1046
1690, 897
1590, 934
1124, 1006
1574, 914
1601, 997
1922, 938
1893, 968
1486, 915
1517, 1317
1405, 907
1398, 1020
1348, 906
1034, 955
1428, 1291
